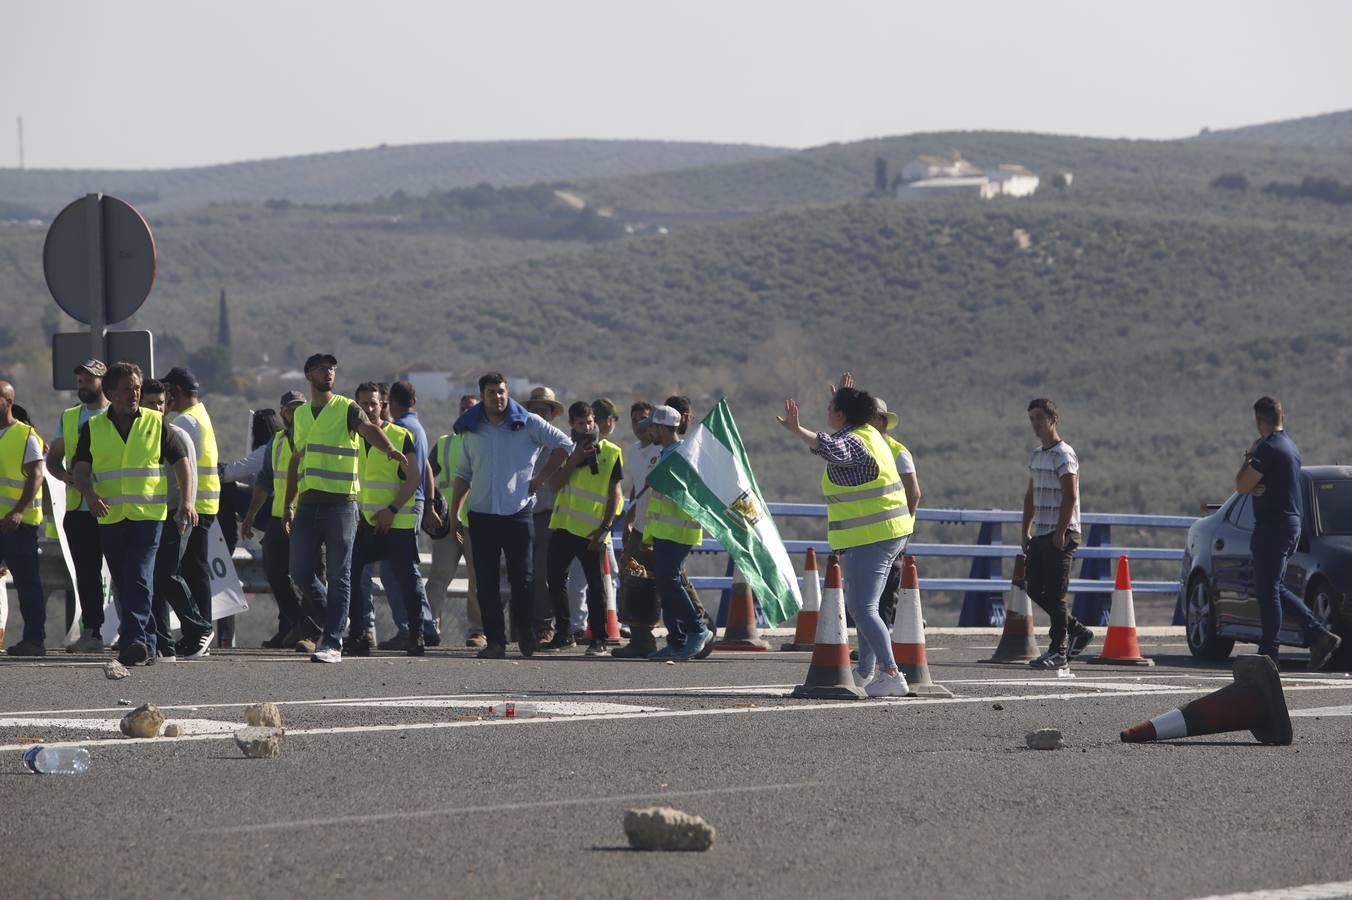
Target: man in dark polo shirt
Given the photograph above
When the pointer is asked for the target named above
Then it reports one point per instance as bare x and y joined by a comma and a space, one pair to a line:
1271, 474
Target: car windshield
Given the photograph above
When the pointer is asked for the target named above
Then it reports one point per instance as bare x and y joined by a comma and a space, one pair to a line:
1333, 506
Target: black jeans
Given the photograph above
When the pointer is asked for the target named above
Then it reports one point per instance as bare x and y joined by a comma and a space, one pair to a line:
1048, 574
491, 539
171, 590
564, 547
277, 570
86, 554
398, 547
1271, 546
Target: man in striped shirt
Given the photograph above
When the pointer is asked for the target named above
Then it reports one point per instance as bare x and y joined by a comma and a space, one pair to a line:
1051, 532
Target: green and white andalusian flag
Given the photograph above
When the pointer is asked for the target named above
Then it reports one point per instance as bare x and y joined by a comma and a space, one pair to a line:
709, 477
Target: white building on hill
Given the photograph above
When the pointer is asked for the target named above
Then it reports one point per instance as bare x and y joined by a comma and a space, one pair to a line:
948, 165
1013, 180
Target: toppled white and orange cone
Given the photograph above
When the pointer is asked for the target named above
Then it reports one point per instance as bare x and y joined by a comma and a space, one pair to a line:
1254, 702
908, 636
1018, 643
805, 632
1120, 647
828, 675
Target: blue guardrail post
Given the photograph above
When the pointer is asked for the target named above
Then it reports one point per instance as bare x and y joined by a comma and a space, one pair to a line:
982, 609
1093, 609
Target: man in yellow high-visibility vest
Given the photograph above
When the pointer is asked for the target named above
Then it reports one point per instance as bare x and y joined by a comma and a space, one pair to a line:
119, 469
386, 531
21, 507
320, 509
448, 551
586, 502
184, 410
79, 524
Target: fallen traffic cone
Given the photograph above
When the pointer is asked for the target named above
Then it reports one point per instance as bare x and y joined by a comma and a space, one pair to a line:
1017, 644
806, 629
741, 632
612, 614
828, 675
1120, 647
1254, 702
908, 636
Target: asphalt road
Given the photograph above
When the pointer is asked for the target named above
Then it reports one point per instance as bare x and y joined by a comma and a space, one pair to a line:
390, 784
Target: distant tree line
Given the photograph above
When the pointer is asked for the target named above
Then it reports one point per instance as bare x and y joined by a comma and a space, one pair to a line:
1330, 190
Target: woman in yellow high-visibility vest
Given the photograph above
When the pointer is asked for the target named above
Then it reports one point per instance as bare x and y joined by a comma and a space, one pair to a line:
867, 522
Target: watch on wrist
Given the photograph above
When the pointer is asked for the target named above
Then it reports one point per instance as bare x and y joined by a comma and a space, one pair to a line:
394, 510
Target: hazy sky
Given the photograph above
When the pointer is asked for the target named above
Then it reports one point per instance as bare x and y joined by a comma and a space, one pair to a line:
154, 83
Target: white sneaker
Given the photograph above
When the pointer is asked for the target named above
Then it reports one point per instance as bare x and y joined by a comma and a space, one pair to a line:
886, 685
327, 655
860, 679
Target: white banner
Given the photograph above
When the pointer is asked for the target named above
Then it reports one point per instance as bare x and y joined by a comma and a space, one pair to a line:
227, 591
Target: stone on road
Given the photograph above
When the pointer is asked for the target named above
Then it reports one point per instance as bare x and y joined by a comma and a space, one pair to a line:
664, 828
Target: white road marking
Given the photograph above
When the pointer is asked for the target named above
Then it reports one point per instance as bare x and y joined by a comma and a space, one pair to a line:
504, 807
189, 726
1329, 890
547, 707
1330, 711
842, 706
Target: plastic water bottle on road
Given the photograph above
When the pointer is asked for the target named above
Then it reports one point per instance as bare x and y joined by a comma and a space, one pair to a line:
513, 709
57, 760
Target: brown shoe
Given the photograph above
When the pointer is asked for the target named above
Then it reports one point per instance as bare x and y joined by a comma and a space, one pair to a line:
492, 651
305, 645
476, 641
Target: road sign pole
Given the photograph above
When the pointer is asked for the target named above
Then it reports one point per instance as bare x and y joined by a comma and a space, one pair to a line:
98, 310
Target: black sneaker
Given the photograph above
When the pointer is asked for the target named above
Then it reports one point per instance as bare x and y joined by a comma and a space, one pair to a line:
416, 645
195, 646
1079, 641
165, 654
1052, 659
27, 648
562, 640
276, 642
526, 645
135, 655
492, 651
598, 648
432, 640
357, 646
1322, 649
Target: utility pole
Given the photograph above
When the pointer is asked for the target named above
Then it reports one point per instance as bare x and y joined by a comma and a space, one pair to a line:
20, 143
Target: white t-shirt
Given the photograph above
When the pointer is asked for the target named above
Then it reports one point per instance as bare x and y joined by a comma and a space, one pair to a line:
1046, 467
639, 460
32, 451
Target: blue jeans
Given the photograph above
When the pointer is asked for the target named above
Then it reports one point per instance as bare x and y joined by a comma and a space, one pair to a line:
130, 548
394, 587
332, 527
1270, 547
19, 551
678, 610
864, 571
397, 552
491, 539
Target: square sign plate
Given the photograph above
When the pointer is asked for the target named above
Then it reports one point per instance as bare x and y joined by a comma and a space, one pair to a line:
71, 349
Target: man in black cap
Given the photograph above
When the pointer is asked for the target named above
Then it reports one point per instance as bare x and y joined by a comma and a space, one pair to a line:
297, 622
321, 496
186, 411
82, 530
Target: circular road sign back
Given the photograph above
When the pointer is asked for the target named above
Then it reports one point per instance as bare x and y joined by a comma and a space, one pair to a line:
128, 259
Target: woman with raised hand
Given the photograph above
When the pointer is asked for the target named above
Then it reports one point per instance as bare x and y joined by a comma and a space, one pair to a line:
866, 514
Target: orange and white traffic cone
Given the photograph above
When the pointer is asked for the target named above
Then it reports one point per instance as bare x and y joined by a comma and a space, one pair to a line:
806, 630
741, 632
828, 675
1119, 646
908, 636
1254, 702
612, 614
1018, 643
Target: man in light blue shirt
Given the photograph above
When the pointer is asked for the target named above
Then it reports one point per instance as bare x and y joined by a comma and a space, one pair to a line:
501, 442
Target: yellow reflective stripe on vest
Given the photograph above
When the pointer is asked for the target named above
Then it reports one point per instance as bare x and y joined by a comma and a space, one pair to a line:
208, 500
868, 513
669, 522
128, 472
330, 454
380, 481
12, 479
281, 462
581, 506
